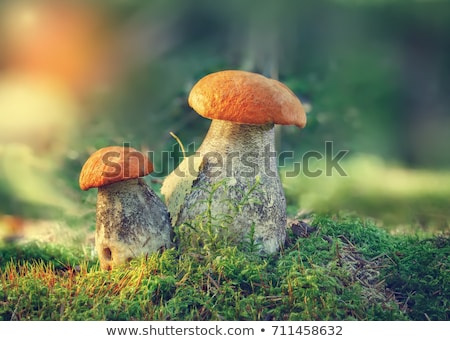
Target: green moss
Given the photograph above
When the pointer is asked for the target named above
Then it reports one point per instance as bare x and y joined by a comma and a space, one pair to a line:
57, 256
420, 275
347, 268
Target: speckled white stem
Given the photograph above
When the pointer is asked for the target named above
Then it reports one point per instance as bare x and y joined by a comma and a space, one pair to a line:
131, 221
244, 157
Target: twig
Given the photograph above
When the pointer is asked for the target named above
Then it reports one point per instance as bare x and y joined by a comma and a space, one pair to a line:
179, 142
213, 281
14, 314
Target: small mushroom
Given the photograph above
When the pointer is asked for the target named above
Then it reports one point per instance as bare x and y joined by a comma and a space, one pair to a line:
238, 149
131, 220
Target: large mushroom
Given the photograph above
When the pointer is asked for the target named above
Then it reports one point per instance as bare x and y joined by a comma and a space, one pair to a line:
131, 220
238, 152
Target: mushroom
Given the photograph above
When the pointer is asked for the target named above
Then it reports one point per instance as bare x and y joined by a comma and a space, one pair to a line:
239, 151
131, 220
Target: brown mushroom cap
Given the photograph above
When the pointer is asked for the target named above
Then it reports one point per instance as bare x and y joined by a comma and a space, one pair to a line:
113, 164
246, 97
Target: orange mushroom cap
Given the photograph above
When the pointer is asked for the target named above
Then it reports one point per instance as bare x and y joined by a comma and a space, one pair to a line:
246, 97
113, 164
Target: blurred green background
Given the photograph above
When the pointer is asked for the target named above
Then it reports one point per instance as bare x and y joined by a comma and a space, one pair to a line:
373, 75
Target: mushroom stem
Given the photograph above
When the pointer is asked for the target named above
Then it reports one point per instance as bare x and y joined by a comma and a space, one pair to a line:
226, 137
244, 155
130, 221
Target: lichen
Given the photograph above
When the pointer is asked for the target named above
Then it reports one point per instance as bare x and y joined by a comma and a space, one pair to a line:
179, 183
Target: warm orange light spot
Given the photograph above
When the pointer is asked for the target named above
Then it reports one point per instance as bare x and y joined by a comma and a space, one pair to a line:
57, 39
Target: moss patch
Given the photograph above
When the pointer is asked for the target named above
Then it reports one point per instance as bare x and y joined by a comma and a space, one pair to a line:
336, 268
